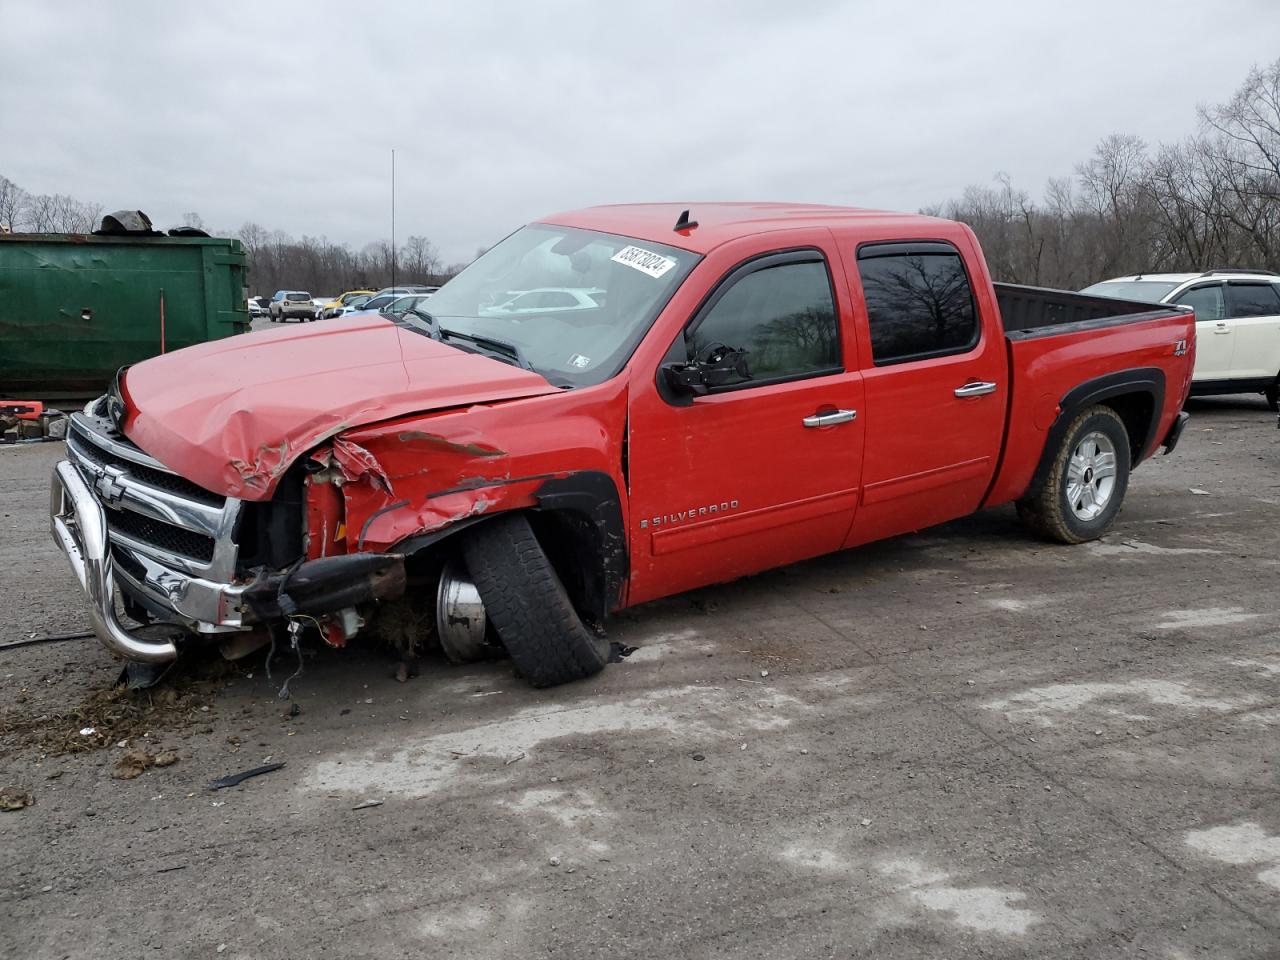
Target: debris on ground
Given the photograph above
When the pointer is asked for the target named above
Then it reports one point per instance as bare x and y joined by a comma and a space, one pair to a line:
11, 798
1200, 493
367, 804
107, 716
52, 638
619, 651
30, 421
234, 779
133, 763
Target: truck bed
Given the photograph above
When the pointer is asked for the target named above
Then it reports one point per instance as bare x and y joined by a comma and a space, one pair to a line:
1038, 311
1058, 341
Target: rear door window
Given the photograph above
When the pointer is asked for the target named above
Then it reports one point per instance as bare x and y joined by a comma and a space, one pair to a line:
919, 301
1207, 301
1253, 299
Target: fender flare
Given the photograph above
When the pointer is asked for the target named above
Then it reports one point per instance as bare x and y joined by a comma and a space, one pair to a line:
1143, 380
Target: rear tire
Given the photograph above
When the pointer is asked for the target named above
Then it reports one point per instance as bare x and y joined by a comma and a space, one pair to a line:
528, 606
1082, 495
1272, 393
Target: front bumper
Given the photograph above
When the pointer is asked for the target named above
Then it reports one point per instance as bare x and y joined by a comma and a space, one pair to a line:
134, 530
79, 526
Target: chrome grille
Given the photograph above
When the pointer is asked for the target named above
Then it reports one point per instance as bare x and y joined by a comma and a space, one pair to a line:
153, 514
86, 449
164, 535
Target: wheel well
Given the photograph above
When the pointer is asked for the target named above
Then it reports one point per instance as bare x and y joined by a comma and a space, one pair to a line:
569, 538
1136, 411
572, 544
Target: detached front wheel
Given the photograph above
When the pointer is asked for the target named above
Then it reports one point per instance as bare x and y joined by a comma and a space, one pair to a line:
528, 605
1087, 481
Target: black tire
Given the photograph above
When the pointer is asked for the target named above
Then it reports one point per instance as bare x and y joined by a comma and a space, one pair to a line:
528, 606
1272, 393
1050, 511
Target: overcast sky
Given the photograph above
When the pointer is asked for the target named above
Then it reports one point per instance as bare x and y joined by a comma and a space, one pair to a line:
285, 113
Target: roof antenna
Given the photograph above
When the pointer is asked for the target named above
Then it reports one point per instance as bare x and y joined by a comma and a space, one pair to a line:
684, 223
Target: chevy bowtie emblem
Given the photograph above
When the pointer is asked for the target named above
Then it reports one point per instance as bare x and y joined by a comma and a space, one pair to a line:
108, 484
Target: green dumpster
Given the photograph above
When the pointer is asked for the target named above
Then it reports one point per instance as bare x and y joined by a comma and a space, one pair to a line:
76, 308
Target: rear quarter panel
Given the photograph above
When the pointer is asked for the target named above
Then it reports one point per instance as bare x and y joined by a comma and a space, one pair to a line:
1044, 369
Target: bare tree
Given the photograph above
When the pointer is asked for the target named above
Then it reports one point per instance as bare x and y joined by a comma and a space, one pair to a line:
13, 201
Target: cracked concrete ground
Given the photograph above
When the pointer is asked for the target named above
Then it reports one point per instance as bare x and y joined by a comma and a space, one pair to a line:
967, 744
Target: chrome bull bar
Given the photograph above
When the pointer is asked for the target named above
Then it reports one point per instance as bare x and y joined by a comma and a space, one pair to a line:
79, 526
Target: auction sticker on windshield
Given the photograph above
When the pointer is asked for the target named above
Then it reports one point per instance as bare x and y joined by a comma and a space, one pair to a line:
646, 261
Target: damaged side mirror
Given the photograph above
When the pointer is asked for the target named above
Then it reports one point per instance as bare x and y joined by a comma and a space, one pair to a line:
716, 365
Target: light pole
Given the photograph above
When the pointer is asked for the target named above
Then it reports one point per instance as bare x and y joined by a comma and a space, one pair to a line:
393, 216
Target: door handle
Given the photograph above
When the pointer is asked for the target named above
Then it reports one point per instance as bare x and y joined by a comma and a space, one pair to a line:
979, 388
830, 419
1222, 328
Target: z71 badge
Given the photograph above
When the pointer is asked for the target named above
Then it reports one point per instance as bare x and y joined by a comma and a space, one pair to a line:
693, 513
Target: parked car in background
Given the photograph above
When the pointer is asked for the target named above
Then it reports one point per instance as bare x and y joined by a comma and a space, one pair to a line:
334, 307
376, 303
257, 307
1237, 324
354, 305
292, 303
319, 303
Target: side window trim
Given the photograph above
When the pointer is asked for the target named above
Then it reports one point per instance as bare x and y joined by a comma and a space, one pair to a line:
678, 351
904, 248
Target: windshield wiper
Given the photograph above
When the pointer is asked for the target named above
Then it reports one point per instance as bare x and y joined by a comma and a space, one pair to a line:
504, 349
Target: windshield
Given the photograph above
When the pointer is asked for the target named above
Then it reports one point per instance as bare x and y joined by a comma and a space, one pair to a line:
1150, 291
574, 303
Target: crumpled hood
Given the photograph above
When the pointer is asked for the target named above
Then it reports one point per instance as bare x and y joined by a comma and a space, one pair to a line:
233, 414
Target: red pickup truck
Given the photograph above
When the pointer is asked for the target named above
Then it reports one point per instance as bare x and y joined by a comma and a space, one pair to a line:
609, 406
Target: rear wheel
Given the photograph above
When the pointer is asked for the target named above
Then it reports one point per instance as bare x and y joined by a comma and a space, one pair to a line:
528, 606
1272, 393
1087, 481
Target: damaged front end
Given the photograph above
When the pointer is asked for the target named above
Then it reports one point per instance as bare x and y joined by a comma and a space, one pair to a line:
142, 539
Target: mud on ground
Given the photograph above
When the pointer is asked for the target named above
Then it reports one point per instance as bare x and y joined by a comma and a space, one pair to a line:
961, 743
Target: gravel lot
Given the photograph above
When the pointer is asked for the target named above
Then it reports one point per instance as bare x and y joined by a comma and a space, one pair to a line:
962, 743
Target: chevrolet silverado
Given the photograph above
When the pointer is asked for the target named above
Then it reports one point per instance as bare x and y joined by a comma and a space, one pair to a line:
738, 386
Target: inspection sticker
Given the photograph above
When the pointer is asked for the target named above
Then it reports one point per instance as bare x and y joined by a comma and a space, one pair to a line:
579, 361
646, 261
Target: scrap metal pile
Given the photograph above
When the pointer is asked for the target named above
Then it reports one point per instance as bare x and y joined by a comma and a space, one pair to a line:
28, 421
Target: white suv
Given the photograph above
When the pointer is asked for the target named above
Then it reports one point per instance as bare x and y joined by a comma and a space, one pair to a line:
1237, 324
291, 303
